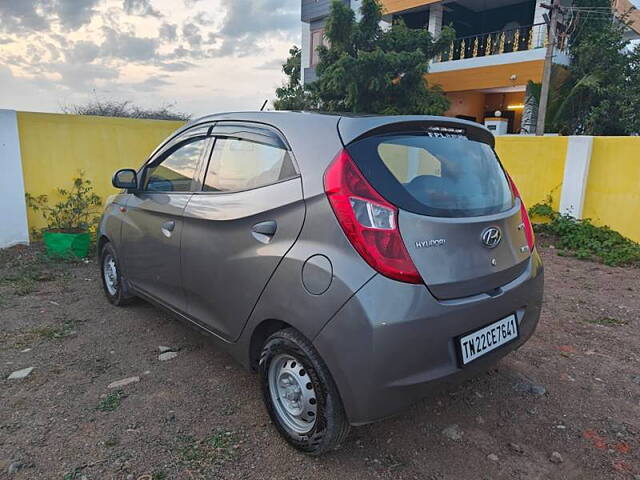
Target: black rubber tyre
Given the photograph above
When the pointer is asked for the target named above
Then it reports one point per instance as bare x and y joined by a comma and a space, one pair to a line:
118, 293
331, 425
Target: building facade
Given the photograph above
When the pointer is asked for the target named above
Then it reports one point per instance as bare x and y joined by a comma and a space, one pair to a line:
500, 46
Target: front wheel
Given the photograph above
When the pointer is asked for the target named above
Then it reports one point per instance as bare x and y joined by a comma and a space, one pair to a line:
300, 394
113, 282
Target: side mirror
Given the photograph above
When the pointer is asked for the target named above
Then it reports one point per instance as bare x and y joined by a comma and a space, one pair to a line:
126, 178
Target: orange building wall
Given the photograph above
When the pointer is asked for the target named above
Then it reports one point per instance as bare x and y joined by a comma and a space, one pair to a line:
467, 103
475, 104
393, 6
494, 76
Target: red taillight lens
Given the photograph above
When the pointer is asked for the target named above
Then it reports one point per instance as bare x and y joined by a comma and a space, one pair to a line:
368, 220
528, 229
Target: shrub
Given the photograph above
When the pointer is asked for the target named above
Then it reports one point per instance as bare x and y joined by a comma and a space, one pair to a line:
584, 240
75, 212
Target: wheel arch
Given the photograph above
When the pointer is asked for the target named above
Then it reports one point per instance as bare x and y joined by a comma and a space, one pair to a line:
102, 241
260, 333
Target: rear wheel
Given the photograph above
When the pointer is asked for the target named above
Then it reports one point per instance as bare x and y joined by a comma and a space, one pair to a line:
113, 282
300, 394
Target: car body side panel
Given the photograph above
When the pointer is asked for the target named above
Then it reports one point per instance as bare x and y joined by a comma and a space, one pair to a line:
286, 298
392, 343
225, 265
111, 221
151, 255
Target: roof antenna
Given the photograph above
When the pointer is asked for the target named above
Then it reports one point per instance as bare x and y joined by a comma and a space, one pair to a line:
264, 105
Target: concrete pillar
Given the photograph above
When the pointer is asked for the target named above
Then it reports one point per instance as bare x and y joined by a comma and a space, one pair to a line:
306, 49
576, 174
435, 19
540, 32
13, 209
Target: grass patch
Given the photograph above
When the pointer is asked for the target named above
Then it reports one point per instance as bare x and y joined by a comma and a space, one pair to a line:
216, 448
583, 240
52, 332
111, 402
73, 475
608, 321
23, 269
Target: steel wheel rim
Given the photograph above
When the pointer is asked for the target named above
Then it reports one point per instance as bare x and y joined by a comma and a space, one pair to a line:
292, 394
110, 274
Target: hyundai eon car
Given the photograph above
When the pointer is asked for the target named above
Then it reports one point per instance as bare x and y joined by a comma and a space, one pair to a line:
356, 263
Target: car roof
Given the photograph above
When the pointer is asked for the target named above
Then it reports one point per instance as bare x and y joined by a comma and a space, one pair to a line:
349, 126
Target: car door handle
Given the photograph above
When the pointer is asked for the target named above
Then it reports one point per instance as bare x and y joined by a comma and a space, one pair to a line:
265, 228
169, 226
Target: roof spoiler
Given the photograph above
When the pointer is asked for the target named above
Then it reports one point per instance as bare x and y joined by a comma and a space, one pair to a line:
356, 128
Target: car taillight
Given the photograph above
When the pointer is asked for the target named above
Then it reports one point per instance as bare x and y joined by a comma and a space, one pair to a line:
526, 221
368, 220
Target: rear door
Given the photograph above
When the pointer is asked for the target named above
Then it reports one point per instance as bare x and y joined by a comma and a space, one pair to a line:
153, 220
457, 215
239, 227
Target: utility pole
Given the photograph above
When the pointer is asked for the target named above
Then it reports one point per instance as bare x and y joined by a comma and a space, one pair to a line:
554, 12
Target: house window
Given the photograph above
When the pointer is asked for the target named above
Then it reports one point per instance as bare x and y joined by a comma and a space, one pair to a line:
317, 39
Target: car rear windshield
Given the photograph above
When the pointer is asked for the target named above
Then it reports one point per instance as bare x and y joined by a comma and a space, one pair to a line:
443, 176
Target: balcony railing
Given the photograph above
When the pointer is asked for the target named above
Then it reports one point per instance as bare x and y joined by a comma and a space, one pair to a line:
495, 43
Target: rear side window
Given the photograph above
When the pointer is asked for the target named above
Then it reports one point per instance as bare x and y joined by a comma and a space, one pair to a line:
436, 176
238, 164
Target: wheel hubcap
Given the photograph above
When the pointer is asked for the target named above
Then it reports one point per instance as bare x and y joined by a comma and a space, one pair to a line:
292, 394
110, 273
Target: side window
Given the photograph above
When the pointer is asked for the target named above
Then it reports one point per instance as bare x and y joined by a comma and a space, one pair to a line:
175, 172
242, 165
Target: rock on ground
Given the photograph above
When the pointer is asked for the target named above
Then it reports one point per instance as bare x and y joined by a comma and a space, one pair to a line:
555, 458
124, 382
163, 357
453, 432
20, 374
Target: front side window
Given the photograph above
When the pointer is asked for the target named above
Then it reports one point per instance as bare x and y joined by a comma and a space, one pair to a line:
238, 165
175, 172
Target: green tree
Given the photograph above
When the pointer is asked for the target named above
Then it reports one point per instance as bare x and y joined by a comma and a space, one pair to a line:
603, 78
366, 69
293, 95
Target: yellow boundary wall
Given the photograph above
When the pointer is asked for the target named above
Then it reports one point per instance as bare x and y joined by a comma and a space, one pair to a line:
613, 187
55, 148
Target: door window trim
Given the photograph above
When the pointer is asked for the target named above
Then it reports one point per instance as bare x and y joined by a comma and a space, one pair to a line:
171, 147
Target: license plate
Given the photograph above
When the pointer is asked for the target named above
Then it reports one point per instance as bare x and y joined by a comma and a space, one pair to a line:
487, 339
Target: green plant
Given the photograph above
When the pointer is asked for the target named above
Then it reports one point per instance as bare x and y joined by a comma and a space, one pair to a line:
293, 95
75, 212
609, 321
111, 402
584, 240
215, 448
72, 475
367, 69
53, 332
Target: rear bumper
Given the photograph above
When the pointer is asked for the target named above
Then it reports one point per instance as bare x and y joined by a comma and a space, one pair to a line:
392, 343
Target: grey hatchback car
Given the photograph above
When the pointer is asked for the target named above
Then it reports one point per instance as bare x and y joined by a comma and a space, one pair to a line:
355, 262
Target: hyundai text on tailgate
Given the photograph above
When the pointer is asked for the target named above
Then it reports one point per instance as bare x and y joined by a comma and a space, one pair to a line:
353, 262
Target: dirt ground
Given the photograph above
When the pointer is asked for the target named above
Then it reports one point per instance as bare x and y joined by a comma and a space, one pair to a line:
566, 405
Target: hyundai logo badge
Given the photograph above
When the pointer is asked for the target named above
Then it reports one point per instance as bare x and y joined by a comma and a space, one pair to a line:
491, 237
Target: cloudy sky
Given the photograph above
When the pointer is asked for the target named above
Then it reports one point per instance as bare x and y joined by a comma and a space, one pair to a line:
201, 55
